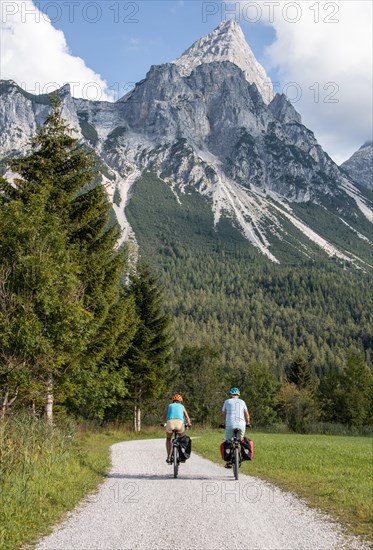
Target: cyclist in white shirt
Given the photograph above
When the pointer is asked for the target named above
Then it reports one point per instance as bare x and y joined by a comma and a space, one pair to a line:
234, 414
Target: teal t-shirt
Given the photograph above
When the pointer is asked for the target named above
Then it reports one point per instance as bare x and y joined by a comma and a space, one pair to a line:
175, 412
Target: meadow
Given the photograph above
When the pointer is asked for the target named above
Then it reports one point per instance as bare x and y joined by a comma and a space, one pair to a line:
332, 473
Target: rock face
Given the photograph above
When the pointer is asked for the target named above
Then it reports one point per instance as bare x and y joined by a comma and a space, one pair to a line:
227, 43
209, 120
360, 166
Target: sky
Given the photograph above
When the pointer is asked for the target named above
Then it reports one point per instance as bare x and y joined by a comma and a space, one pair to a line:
319, 53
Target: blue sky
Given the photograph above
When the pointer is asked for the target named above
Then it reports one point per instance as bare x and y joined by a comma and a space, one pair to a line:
129, 37
319, 52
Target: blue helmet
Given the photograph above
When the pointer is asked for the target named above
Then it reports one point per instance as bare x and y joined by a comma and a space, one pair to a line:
234, 391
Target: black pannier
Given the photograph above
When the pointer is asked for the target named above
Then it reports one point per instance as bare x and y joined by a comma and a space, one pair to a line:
185, 447
247, 449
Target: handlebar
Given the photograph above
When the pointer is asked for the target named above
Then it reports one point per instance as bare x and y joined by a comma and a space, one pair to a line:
187, 426
223, 426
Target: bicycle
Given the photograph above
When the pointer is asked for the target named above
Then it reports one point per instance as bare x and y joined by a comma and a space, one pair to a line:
175, 454
235, 459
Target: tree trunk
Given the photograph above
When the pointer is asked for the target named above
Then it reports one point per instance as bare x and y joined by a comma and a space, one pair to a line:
7, 402
137, 418
4, 404
49, 400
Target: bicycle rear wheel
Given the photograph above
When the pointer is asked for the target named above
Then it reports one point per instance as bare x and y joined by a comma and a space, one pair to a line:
236, 463
175, 456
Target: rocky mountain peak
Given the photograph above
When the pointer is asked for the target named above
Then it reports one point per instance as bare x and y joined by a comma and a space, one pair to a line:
360, 166
367, 144
227, 43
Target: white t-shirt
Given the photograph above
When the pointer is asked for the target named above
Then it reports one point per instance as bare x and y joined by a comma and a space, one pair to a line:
234, 409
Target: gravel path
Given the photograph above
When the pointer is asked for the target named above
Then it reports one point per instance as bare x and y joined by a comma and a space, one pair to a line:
142, 506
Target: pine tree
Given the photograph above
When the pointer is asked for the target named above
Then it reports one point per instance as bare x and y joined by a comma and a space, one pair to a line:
63, 172
42, 315
299, 373
357, 386
149, 354
202, 381
258, 388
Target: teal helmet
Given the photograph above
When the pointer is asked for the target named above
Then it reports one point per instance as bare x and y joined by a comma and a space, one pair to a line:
233, 391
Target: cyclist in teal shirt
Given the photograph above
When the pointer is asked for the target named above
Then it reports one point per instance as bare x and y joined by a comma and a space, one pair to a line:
175, 418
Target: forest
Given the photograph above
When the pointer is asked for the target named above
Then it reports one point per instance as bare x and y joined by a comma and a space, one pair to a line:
295, 337
81, 331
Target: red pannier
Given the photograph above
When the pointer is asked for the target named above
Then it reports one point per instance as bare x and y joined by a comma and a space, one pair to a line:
226, 451
247, 448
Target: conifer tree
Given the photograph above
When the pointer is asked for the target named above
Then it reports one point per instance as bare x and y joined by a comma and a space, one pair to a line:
258, 388
63, 172
201, 379
149, 354
299, 373
42, 314
357, 386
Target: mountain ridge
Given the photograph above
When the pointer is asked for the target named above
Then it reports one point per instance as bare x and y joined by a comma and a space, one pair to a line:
208, 128
360, 165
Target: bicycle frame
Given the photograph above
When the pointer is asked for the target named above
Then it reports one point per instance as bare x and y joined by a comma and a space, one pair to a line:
236, 455
175, 458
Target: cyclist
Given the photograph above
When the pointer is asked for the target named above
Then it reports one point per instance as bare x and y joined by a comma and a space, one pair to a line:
174, 418
234, 414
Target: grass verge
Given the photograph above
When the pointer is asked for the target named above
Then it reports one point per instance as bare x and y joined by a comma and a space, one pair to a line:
332, 473
45, 473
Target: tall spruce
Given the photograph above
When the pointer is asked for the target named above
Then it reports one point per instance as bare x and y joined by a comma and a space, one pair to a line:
149, 354
299, 373
64, 172
201, 379
43, 320
357, 387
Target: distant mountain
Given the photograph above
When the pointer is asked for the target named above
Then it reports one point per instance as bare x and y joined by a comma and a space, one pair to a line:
208, 124
360, 166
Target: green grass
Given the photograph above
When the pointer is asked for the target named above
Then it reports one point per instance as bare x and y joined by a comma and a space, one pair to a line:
332, 473
45, 473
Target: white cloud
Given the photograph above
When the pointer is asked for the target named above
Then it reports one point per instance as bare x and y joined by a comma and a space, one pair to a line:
36, 56
328, 47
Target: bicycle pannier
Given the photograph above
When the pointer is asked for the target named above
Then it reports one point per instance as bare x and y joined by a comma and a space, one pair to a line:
185, 447
226, 450
247, 449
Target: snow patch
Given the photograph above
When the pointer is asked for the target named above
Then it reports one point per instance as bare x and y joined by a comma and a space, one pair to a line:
123, 185
353, 192
360, 235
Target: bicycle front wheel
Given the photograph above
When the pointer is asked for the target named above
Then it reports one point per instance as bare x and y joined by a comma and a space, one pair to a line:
175, 457
236, 463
